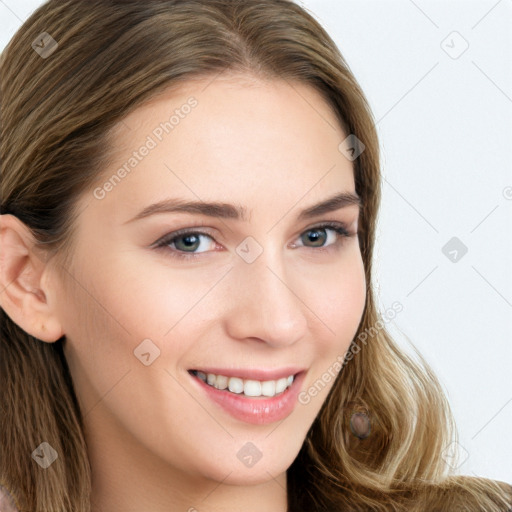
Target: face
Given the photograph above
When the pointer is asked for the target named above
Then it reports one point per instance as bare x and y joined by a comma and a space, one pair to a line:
254, 288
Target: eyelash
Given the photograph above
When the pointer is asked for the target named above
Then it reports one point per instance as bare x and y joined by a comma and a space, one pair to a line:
164, 242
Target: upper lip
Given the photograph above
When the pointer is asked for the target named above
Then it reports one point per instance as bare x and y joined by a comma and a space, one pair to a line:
261, 374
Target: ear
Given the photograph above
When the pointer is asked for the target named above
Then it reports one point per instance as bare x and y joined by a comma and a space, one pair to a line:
24, 284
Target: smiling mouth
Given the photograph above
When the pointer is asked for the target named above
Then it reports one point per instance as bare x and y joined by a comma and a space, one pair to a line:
245, 387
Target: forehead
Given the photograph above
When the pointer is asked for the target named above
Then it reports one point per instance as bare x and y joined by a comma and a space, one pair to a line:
229, 139
238, 105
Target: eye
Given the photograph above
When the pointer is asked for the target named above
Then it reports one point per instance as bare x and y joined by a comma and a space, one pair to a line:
316, 234
184, 244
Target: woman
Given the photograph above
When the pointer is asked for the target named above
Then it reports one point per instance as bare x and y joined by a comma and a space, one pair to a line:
189, 199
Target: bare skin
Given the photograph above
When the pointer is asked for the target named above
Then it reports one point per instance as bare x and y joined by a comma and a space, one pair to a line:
155, 441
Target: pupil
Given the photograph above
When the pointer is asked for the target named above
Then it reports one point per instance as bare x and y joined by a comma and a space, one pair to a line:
315, 236
188, 243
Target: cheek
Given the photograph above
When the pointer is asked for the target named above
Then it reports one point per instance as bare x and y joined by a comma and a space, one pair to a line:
112, 381
97, 346
340, 306
338, 301
149, 297
122, 311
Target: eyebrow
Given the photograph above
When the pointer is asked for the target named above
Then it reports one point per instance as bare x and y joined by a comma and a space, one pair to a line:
238, 212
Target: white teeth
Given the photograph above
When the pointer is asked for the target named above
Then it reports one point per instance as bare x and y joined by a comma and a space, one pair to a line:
268, 388
221, 382
252, 388
281, 385
249, 387
236, 385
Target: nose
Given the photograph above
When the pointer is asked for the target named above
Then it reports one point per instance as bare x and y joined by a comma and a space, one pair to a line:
265, 303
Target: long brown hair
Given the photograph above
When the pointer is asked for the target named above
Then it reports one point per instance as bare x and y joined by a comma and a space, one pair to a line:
107, 58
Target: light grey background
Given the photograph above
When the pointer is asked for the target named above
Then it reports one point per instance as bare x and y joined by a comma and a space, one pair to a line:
445, 125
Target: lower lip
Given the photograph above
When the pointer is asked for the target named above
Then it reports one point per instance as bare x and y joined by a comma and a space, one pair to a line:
257, 410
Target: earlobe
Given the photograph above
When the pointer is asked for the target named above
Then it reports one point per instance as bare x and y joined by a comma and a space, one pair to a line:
23, 289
